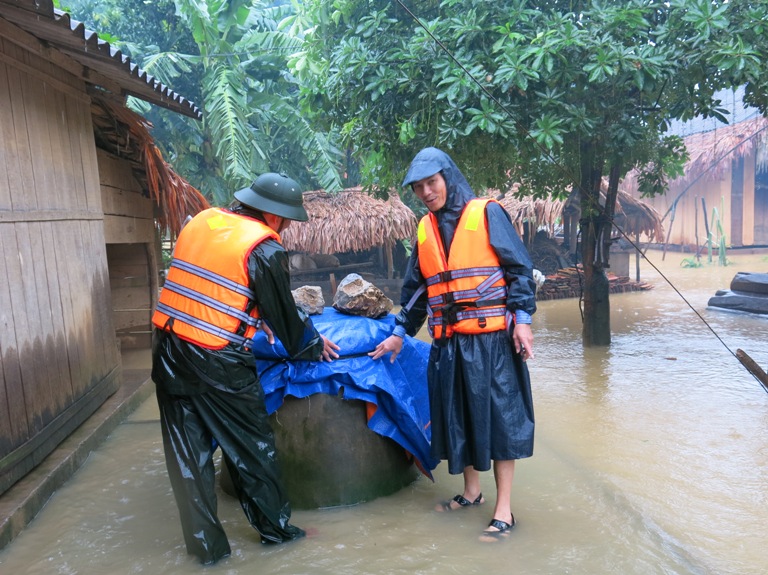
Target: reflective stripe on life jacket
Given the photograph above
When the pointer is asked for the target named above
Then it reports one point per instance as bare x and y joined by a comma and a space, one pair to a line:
467, 292
206, 298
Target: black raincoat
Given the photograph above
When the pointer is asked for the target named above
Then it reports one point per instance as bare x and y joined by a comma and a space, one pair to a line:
211, 398
479, 388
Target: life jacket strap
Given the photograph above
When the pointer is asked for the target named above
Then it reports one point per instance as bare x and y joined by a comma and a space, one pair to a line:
210, 302
455, 316
213, 277
457, 296
414, 297
245, 343
448, 275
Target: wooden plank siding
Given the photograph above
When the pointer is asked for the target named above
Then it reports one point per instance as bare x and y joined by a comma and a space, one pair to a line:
735, 194
760, 207
129, 230
16, 143
736, 236
7, 153
59, 358
14, 370
749, 237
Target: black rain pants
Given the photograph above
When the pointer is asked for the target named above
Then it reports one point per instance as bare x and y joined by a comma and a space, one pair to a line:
239, 424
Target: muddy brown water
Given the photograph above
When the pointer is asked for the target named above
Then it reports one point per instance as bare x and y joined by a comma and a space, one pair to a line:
651, 457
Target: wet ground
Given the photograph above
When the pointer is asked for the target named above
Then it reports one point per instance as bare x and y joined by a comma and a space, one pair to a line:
651, 458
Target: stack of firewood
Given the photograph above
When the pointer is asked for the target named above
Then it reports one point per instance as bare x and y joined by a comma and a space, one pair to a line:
569, 282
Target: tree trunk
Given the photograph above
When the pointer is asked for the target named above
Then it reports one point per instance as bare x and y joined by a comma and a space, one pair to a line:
595, 243
596, 329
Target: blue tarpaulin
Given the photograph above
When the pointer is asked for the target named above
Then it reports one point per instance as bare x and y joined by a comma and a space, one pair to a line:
399, 390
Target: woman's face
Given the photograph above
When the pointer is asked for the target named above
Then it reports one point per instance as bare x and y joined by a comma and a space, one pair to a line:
431, 191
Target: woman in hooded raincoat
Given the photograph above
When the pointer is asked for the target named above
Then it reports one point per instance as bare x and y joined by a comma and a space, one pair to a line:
479, 388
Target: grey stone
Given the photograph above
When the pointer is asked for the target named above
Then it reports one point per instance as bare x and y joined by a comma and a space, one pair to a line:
356, 296
301, 262
310, 299
358, 465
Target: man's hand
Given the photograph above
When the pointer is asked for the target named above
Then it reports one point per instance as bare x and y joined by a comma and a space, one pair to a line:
392, 344
523, 340
329, 350
268, 331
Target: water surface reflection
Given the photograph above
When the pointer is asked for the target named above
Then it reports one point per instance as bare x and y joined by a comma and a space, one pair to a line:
651, 457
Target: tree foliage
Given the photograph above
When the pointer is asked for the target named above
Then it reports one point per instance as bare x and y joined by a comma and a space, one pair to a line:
554, 94
230, 57
531, 82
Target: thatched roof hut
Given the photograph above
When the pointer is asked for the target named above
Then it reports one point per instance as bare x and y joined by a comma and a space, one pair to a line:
713, 151
710, 153
633, 216
126, 134
726, 174
349, 221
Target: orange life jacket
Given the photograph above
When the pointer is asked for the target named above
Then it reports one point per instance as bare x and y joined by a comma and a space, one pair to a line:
207, 294
466, 293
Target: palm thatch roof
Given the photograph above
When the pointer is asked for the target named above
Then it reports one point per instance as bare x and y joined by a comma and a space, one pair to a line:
537, 212
636, 218
633, 216
350, 220
710, 153
714, 150
125, 133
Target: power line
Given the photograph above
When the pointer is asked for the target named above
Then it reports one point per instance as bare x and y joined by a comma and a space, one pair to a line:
564, 169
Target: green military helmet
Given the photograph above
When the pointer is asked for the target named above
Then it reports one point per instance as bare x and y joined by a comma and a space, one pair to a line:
275, 194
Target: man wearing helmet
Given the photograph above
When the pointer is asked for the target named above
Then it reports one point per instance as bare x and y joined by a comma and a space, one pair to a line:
228, 278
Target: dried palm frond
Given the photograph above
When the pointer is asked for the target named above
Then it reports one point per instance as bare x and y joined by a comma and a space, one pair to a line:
633, 216
714, 150
636, 218
350, 220
126, 134
539, 213
710, 153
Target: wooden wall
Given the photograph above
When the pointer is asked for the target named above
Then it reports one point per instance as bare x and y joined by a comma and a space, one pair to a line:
132, 251
59, 358
749, 224
732, 194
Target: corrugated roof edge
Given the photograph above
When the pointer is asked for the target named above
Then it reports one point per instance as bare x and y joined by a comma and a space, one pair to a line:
136, 80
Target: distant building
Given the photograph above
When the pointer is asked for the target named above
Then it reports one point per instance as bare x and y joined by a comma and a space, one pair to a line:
726, 175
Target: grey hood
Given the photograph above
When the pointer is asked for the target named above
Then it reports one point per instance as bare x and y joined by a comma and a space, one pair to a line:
430, 161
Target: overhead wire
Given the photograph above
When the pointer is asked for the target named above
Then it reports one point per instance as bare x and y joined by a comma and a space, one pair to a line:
565, 171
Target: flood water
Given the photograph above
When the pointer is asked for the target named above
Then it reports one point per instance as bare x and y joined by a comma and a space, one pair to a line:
651, 457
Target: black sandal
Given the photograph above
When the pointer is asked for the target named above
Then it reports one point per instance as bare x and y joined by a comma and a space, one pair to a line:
462, 501
503, 529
